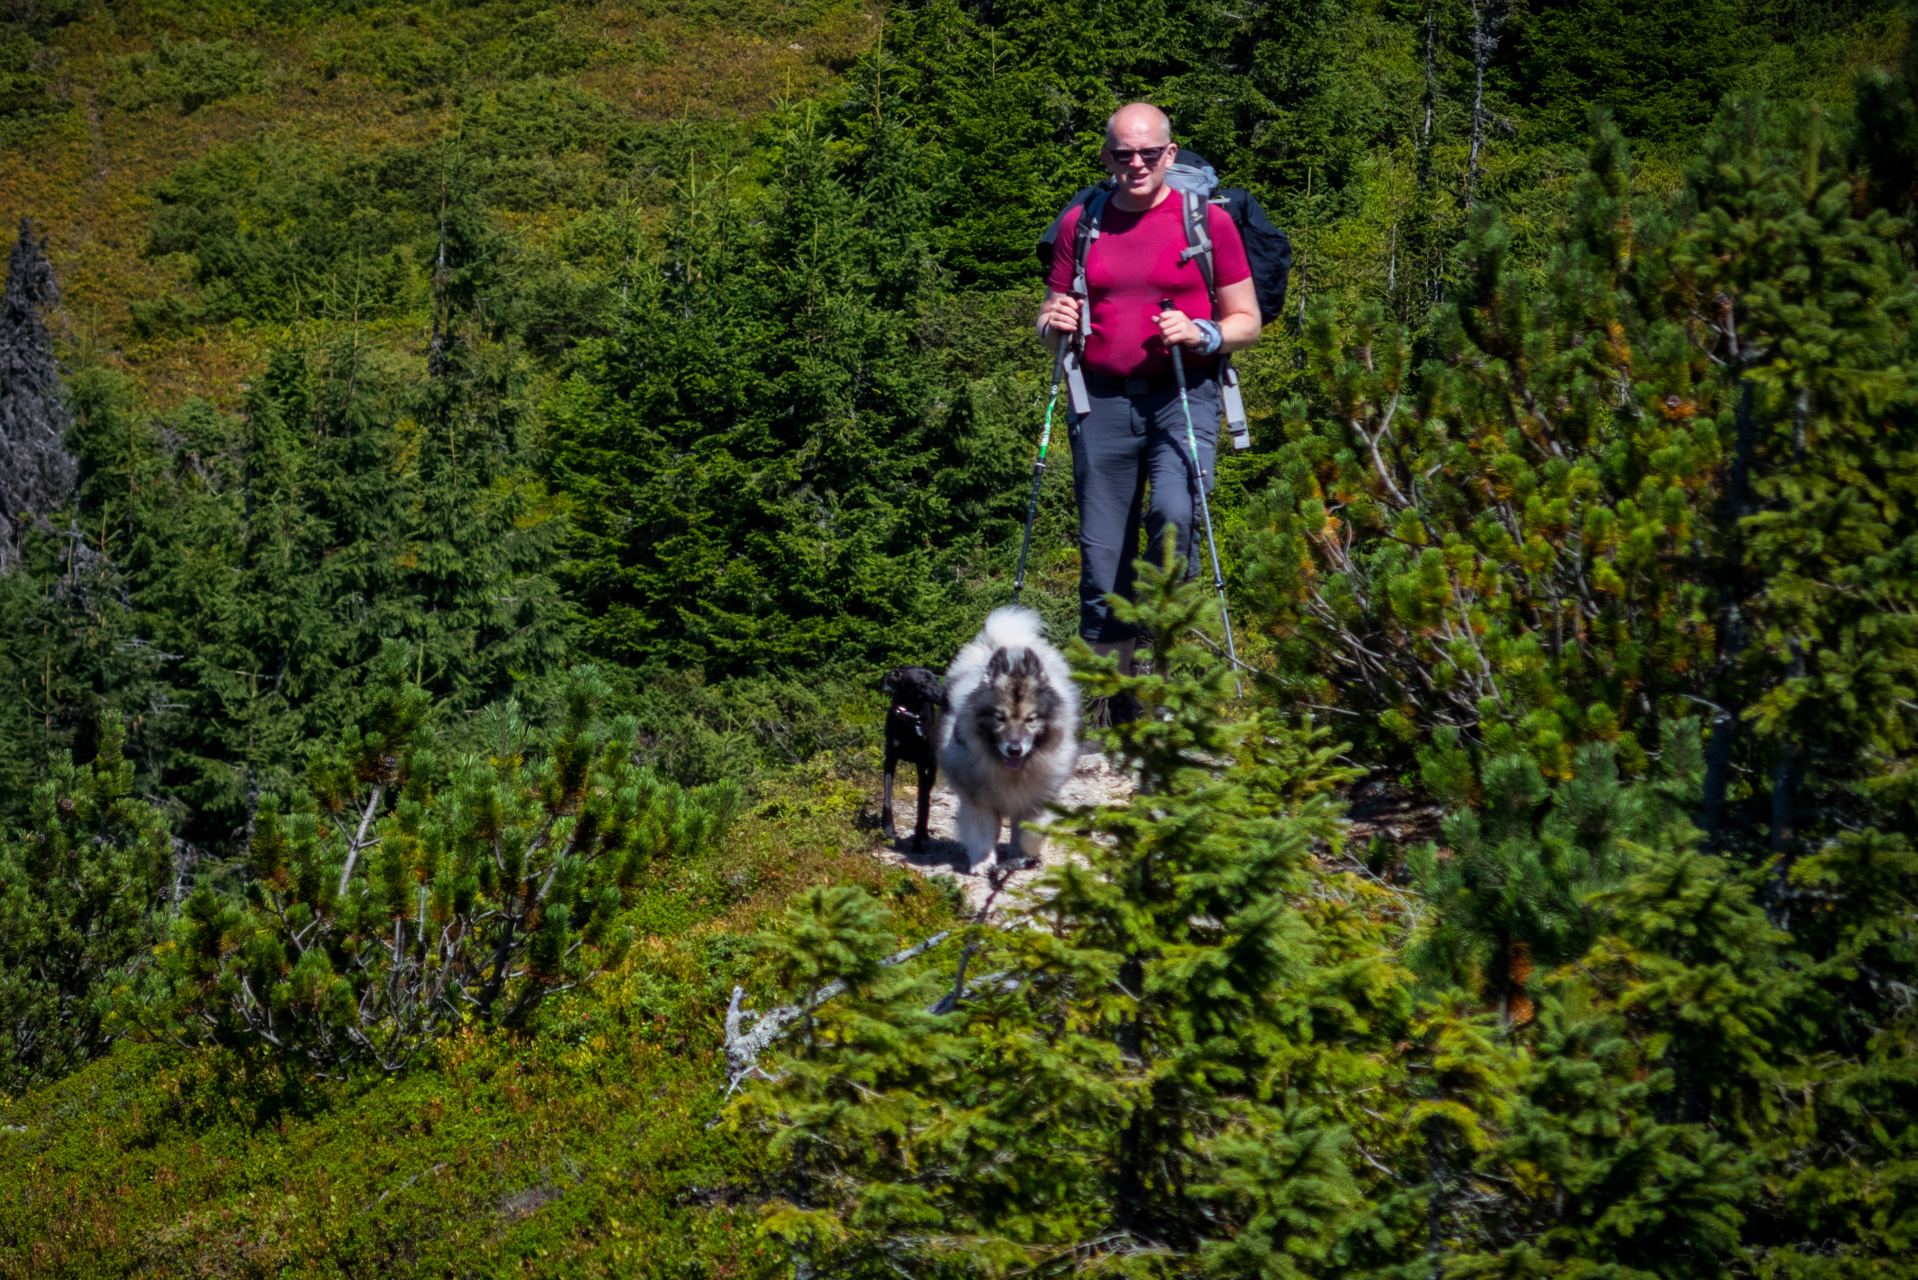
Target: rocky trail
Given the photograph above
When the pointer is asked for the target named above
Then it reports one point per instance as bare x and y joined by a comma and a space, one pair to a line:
1095, 781
1378, 807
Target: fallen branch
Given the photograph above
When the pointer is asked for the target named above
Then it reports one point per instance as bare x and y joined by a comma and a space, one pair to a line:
743, 1047
404, 1185
998, 878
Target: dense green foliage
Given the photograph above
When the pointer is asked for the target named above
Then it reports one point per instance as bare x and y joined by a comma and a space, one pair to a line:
1674, 477
84, 888
1200, 1050
402, 898
764, 474
511, 439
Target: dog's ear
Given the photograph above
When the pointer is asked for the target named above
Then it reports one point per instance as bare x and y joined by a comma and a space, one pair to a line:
1000, 664
1029, 665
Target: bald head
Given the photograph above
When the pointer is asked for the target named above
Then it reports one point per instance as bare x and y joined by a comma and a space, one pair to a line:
1138, 124
1137, 152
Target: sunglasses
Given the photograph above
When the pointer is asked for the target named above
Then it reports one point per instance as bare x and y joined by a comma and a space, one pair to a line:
1150, 155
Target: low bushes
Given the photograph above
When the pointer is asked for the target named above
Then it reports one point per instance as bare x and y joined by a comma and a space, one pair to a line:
399, 897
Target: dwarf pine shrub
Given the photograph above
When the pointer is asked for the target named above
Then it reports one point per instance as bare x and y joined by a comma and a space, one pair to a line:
83, 890
398, 898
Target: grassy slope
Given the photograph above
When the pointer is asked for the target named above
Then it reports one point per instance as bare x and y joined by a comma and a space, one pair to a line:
85, 173
583, 1151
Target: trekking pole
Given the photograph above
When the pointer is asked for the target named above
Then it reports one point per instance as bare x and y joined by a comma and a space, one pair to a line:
1039, 469
1205, 512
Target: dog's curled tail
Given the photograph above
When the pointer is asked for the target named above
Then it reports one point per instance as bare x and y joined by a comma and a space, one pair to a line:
1013, 626
1009, 627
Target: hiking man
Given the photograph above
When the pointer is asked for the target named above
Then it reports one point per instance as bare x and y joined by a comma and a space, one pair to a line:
1135, 431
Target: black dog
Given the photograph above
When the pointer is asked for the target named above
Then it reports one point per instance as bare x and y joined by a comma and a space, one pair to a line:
912, 734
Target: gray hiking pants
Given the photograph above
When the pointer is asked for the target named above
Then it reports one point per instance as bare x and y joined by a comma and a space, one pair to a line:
1125, 445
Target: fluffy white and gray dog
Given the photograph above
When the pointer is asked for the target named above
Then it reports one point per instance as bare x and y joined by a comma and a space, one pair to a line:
1007, 746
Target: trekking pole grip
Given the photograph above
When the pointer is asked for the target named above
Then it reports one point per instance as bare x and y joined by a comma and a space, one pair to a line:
1178, 356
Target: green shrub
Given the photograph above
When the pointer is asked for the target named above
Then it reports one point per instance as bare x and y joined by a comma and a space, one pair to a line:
278, 229
396, 900
190, 75
82, 891
24, 96
747, 727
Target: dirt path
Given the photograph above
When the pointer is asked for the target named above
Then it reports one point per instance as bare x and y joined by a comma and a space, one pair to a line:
1094, 782
1378, 807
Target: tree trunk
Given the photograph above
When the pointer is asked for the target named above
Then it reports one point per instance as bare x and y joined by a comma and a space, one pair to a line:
1732, 629
1487, 18
1129, 1182
1431, 94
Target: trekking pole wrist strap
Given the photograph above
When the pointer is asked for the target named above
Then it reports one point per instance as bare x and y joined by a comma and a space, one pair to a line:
1214, 336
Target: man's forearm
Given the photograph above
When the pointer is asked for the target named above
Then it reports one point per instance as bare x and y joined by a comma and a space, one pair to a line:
1239, 331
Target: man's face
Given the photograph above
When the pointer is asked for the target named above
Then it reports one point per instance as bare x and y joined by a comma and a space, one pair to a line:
1138, 154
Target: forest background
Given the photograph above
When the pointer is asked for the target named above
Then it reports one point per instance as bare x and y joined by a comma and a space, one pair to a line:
414, 355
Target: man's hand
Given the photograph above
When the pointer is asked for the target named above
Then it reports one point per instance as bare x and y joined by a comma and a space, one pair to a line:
1060, 314
1177, 329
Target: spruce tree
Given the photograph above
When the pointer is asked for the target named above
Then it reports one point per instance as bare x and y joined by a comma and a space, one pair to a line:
71, 656
850, 1079
1189, 902
760, 485
36, 471
478, 534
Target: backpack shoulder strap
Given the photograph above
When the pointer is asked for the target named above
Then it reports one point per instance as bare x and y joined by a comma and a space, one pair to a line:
1091, 214
1198, 241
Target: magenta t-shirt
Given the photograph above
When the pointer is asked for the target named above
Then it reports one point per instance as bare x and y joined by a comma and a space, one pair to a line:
1131, 266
